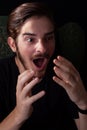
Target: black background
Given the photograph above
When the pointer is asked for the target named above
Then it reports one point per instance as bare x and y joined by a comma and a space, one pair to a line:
65, 11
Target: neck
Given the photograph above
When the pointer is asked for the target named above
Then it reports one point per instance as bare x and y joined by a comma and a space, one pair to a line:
19, 65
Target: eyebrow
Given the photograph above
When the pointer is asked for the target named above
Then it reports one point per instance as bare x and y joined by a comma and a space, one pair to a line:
32, 34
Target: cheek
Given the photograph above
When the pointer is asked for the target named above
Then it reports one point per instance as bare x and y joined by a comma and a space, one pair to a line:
27, 50
52, 48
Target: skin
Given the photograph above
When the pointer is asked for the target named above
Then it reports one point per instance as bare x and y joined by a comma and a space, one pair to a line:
34, 46
69, 78
35, 41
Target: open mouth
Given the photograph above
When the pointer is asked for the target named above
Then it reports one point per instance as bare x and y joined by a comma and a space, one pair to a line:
40, 62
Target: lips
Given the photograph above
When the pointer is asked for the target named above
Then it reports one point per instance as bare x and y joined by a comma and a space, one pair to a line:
40, 63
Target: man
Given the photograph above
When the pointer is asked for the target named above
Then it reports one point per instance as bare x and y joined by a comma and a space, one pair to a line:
30, 96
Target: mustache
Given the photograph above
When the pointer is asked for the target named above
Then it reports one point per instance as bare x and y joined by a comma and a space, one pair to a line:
39, 55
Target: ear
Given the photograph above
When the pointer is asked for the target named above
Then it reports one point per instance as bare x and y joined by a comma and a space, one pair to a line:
12, 44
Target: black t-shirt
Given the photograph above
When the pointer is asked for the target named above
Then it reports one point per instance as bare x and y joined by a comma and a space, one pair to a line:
54, 111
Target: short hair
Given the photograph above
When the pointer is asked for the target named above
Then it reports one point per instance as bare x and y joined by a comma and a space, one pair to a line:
23, 12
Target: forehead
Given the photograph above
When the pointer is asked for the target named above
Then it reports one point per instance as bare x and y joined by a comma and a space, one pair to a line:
37, 25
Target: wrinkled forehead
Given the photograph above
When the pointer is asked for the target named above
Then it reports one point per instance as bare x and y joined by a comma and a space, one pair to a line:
37, 25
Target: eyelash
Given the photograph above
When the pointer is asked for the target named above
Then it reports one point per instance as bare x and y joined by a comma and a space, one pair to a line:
48, 38
29, 39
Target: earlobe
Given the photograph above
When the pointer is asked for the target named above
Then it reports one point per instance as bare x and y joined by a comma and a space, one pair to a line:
11, 44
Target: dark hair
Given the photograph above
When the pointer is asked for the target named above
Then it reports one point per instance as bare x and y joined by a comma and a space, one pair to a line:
23, 12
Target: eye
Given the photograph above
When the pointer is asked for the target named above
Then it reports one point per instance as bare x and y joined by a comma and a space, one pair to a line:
29, 39
48, 38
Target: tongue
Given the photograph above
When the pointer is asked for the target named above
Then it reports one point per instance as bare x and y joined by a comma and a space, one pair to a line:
38, 62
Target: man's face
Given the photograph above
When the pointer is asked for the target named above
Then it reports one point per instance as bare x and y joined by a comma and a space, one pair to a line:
35, 45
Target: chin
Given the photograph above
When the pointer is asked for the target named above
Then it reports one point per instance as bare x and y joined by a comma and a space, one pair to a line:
40, 74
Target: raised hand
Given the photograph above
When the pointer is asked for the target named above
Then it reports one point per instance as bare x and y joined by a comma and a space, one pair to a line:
24, 97
69, 78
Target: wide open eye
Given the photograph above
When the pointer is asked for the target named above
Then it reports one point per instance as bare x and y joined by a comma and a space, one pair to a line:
30, 39
49, 38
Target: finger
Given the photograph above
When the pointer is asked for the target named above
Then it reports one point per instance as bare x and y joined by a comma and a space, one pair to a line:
37, 96
64, 60
27, 89
65, 76
64, 64
23, 79
64, 84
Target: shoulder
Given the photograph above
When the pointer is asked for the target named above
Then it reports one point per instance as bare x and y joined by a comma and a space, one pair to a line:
7, 65
5, 61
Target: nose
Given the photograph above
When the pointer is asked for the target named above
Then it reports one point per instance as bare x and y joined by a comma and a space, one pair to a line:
41, 46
